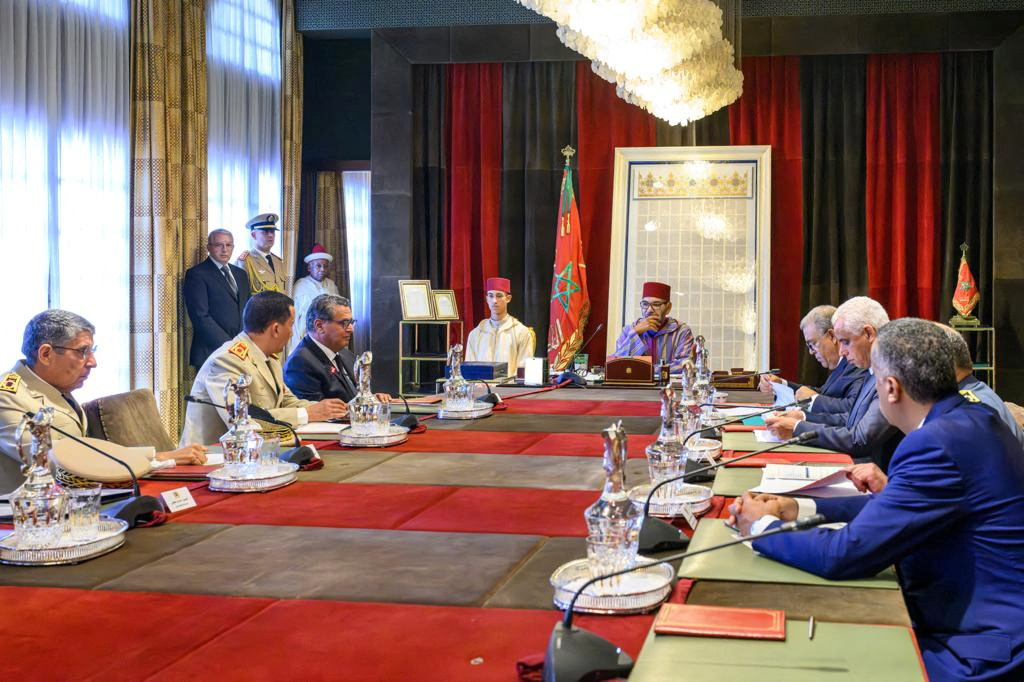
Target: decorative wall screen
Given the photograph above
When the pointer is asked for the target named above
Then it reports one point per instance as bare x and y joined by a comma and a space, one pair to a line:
698, 219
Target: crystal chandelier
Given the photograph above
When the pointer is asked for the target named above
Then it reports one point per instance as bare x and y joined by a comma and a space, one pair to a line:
666, 56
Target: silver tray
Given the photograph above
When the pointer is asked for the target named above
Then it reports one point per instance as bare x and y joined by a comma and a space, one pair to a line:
704, 449
696, 498
66, 551
394, 436
637, 592
221, 482
479, 409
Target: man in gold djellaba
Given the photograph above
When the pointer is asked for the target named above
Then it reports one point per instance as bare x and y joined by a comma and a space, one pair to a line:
266, 270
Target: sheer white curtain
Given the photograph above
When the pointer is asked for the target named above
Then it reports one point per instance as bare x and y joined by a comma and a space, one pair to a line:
243, 49
64, 158
355, 186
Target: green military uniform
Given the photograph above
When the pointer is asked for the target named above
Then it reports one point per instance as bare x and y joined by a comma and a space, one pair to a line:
205, 424
22, 390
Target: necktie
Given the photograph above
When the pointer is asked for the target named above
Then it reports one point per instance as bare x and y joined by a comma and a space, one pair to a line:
345, 378
270, 261
226, 271
72, 402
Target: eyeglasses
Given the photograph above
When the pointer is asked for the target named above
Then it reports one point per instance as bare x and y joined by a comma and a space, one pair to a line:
813, 345
345, 324
85, 352
656, 305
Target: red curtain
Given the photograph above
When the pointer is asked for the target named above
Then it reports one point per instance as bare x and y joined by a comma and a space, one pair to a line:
604, 122
473, 145
769, 113
902, 189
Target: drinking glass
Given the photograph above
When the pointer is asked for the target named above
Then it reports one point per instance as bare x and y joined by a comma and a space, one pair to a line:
83, 512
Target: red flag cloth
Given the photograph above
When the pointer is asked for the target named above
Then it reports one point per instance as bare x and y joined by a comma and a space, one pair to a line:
570, 300
966, 295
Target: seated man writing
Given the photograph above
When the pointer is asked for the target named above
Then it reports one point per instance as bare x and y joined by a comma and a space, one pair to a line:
59, 355
501, 337
654, 333
840, 390
267, 324
950, 514
321, 366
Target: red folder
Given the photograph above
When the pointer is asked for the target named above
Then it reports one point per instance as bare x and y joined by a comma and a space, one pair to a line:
720, 621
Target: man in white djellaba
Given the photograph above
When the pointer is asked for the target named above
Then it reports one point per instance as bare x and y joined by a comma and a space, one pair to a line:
308, 288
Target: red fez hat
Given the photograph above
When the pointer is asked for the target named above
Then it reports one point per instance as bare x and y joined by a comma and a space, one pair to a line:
657, 290
498, 284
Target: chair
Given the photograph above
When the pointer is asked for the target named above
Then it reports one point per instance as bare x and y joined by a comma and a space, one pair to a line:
130, 419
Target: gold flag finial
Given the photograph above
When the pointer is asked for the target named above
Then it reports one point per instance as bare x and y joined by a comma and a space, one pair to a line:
567, 152
963, 251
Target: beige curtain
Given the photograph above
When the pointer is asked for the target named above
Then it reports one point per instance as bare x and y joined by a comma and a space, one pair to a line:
168, 204
291, 134
329, 229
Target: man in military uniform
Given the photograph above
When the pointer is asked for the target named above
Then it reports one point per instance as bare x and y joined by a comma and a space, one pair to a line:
267, 324
59, 355
266, 270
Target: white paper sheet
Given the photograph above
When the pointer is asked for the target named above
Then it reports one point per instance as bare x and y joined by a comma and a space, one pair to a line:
321, 427
739, 411
815, 482
766, 436
784, 395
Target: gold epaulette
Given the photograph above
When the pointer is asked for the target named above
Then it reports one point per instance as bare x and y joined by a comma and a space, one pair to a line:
969, 395
239, 350
11, 383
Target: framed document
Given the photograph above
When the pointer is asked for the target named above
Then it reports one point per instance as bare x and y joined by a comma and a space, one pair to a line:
445, 306
417, 303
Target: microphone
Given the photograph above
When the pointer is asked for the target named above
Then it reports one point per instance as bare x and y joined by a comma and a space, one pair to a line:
408, 420
657, 535
801, 404
730, 377
489, 395
576, 654
590, 338
127, 510
254, 410
569, 375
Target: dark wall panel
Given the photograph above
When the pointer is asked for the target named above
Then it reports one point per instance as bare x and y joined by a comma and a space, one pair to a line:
336, 110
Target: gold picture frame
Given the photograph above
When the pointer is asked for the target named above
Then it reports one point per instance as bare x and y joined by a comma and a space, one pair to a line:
445, 305
417, 303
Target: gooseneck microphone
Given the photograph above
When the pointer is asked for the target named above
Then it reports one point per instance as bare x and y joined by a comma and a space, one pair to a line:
800, 404
576, 654
657, 535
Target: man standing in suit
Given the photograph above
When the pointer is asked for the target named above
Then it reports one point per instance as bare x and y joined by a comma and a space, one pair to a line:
215, 294
321, 366
949, 514
267, 321
864, 433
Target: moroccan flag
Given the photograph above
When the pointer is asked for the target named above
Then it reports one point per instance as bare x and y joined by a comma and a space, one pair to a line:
966, 295
570, 302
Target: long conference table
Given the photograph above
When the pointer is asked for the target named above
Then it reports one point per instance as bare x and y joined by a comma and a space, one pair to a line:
430, 561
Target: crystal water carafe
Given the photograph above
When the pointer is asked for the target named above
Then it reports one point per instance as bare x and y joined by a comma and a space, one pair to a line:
243, 441
368, 415
38, 504
613, 522
458, 393
665, 456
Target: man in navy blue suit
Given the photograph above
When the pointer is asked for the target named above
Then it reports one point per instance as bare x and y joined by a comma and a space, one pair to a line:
950, 514
215, 294
840, 390
321, 366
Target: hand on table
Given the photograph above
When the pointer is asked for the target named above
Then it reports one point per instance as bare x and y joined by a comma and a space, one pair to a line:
190, 454
383, 397
781, 427
752, 506
331, 408
867, 477
805, 392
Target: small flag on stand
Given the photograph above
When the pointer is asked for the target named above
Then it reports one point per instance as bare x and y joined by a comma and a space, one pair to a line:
570, 301
966, 295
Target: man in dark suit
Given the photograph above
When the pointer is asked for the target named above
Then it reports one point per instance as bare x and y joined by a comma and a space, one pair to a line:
321, 366
950, 514
215, 294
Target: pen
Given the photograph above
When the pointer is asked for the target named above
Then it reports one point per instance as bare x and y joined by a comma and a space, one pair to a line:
810, 628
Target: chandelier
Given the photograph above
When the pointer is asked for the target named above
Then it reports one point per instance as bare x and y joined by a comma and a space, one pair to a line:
666, 56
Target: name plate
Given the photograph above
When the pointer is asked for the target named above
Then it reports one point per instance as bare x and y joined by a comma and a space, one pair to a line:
178, 499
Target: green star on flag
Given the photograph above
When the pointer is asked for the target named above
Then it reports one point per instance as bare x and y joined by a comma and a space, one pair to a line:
571, 287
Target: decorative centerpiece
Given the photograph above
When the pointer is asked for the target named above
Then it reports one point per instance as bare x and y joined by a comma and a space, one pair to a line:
613, 526
43, 534
704, 391
966, 295
370, 418
248, 466
459, 402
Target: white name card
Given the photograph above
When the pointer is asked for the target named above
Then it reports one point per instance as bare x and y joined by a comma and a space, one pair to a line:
178, 499
534, 371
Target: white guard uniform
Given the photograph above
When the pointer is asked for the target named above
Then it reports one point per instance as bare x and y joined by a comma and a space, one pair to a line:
306, 289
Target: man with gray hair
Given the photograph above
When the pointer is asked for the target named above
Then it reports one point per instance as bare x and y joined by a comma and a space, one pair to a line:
59, 355
864, 433
321, 366
215, 295
842, 387
973, 388
949, 515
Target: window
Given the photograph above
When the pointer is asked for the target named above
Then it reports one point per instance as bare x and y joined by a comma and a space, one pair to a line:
64, 165
243, 48
355, 187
